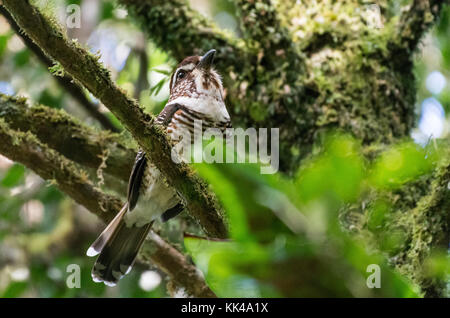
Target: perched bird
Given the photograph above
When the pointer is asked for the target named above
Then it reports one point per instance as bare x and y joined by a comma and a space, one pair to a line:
196, 93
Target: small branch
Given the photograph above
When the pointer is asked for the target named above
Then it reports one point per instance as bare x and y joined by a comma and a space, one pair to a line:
65, 81
28, 150
178, 29
260, 23
142, 80
261, 26
25, 148
430, 228
201, 204
69, 137
415, 21
175, 264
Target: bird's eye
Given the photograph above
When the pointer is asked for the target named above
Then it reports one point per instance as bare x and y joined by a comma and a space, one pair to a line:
181, 74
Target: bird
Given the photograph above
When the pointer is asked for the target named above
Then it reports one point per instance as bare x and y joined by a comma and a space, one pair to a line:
196, 93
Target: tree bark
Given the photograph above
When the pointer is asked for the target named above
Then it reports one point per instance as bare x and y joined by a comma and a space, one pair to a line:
69, 137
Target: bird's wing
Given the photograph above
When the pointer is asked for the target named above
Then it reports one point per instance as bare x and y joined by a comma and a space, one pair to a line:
140, 163
165, 116
134, 184
172, 212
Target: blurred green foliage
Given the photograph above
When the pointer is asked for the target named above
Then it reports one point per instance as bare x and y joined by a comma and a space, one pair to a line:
288, 237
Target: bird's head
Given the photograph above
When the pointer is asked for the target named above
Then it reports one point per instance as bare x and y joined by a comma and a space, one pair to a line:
197, 85
195, 75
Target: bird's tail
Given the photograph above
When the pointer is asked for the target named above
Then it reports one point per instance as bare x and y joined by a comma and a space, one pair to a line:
118, 246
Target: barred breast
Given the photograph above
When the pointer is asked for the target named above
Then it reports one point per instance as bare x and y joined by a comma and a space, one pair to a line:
184, 121
156, 196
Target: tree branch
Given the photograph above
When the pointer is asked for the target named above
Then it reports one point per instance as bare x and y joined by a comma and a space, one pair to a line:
201, 204
260, 25
66, 80
75, 141
415, 21
25, 148
142, 81
178, 29
47, 163
429, 225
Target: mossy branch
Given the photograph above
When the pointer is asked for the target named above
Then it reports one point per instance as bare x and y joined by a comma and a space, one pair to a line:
65, 81
25, 148
414, 21
200, 202
264, 33
68, 136
429, 225
178, 29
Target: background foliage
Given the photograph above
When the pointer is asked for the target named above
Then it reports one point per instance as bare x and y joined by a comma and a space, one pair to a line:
311, 234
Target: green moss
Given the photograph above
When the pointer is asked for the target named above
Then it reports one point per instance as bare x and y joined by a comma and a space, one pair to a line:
57, 70
67, 135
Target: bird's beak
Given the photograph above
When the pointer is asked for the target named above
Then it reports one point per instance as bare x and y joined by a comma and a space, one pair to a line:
207, 60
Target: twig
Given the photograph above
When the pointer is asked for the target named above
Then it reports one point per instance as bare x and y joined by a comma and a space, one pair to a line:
142, 80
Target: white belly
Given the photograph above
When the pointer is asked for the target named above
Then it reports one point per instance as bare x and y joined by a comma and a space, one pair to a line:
157, 198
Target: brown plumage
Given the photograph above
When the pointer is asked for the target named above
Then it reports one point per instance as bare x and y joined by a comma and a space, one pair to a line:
196, 93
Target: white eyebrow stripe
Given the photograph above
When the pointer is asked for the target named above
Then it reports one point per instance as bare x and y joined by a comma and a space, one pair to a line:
174, 79
188, 67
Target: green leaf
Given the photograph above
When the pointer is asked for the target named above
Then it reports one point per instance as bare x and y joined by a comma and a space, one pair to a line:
49, 99
107, 10
14, 290
164, 72
336, 173
155, 89
252, 214
3, 43
227, 192
220, 263
400, 164
14, 176
22, 58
